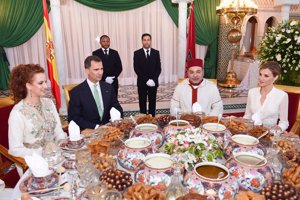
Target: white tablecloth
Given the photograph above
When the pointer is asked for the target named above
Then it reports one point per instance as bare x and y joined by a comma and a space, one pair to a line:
247, 73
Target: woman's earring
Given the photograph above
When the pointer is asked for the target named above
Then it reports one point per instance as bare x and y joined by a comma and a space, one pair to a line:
30, 93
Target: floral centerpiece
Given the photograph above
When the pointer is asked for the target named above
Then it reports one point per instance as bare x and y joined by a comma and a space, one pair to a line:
282, 44
192, 146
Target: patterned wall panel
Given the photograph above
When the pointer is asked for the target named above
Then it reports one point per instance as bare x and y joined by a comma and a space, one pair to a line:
224, 49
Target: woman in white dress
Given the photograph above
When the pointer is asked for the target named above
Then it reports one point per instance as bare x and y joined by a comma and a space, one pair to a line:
34, 120
266, 104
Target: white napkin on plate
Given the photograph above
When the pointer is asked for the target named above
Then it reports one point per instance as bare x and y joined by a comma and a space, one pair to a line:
74, 131
114, 114
256, 117
196, 107
37, 165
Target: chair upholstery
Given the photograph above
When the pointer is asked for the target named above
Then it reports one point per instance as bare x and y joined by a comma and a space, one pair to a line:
294, 106
10, 177
294, 99
67, 89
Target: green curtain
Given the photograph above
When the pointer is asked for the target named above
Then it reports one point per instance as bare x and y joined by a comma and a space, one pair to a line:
19, 21
207, 27
114, 5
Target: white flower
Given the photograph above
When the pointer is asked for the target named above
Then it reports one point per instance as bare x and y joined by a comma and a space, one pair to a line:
278, 57
97, 39
287, 41
278, 37
293, 23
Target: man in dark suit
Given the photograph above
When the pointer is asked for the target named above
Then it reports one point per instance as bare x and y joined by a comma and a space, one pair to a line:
112, 65
91, 101
147, 66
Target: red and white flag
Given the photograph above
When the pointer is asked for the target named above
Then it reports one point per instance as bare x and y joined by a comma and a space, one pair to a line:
51, 61
191, 38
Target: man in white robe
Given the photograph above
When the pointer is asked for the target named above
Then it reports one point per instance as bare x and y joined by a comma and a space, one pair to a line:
197, 91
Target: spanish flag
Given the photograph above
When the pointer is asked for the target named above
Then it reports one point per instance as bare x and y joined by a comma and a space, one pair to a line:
51, 62
191, 38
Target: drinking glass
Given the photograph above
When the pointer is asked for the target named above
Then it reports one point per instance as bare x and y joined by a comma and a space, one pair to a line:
96, 191
83, 156
176, 188
274, 162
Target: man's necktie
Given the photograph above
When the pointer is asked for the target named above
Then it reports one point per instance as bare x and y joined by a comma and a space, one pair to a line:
105, 53
97, 99
194, 94
148, 55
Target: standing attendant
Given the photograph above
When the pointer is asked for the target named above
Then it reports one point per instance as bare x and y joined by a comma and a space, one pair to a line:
147, 66
112, 65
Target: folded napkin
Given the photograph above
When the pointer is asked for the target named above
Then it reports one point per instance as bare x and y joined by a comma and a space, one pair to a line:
37, 165
2, 185
114, 114
196, 107
74, 131
256, 117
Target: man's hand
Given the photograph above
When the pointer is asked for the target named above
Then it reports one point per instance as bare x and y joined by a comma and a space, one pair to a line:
150, 83
109, 79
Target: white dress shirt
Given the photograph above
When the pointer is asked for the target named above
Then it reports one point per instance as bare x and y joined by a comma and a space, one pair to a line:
104, 51
274, 107
149, 51
208, 97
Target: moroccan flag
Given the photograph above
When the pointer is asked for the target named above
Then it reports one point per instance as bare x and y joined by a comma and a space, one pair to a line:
191, 37
51, 62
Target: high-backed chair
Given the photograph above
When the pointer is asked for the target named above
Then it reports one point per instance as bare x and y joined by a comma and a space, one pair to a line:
294, 107
8, 173
67, 89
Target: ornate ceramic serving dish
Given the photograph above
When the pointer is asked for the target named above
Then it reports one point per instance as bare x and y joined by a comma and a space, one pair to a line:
219, 131
150, 131
213, 180
31, 183
133, 152
251, 171
243, 143
174, 126
156, 170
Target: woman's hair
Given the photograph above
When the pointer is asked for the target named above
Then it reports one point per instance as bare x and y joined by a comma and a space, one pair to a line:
273, 66
20, 75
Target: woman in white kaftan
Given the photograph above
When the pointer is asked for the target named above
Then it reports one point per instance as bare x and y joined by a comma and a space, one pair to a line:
34, 120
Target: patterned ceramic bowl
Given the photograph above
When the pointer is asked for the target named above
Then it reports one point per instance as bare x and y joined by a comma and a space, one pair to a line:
75, 144
150, 131
219, 131
243, 143
156, 170
44, 182
174, 126
213, 180
251, 171
133, 152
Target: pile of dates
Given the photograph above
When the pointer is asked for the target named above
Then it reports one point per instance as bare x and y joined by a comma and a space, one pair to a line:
280, 191
116, 179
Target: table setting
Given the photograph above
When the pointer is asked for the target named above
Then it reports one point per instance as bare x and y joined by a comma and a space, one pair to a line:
166, 157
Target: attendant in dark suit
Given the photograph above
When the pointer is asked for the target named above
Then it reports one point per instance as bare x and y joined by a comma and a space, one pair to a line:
112, 65
91, 101
147, 67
